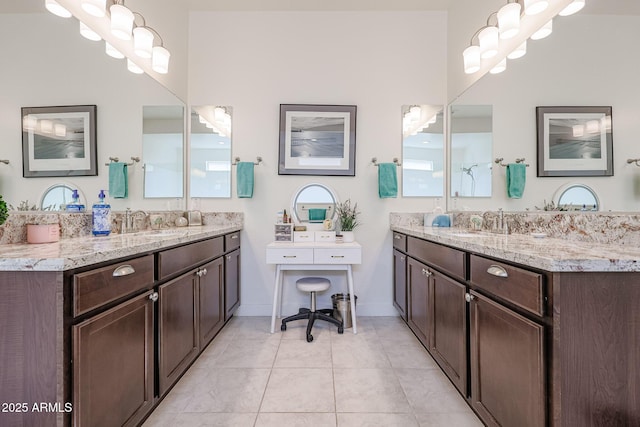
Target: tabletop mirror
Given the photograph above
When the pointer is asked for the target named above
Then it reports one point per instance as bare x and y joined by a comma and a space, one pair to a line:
314, 203
56, 197
577, 197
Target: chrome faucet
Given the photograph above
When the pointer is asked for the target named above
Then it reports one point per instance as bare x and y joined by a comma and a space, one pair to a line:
503, 225
128, 224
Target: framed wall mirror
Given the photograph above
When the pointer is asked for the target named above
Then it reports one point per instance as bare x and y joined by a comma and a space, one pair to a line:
313, 203
422, 151
471, 150
210, 140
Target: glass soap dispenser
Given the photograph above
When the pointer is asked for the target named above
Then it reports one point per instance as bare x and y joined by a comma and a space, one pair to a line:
101, 216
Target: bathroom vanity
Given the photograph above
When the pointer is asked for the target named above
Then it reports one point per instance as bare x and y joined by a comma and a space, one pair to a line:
97, 330
532, 332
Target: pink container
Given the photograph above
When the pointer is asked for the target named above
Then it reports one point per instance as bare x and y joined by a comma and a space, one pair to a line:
43, 233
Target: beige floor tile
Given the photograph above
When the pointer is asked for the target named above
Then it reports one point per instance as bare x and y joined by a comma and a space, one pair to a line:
214, 419
297, 330
457, 419
410, 355
301, 354
249, 354
430, 391
369, 390
160, 419
376, 420
358, 352
230, 390
299, 390
327, 419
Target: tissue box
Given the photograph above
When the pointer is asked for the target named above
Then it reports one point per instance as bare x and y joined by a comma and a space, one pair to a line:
43, 233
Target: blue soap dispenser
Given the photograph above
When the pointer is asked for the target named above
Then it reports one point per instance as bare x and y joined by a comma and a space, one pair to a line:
101, 217
75, 206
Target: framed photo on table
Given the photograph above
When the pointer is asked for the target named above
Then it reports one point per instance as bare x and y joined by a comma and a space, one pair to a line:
59, 141
317, 140
574, 141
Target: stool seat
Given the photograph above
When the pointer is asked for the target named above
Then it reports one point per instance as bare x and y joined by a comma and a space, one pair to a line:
313, 284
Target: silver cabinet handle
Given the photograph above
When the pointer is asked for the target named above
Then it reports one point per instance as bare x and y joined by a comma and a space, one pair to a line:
199, 273
235, 236
496, 270
337, 256
468, 297
289, 256
154, 297
397, 237
204, 271
426, 272
123, 270
228, 257
401, 258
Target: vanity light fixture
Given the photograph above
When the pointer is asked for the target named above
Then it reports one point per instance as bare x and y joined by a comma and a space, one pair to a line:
142, 42
112, 51
54, 7
578, 130
46, 126
133, 67
60, 130
88, 33
471, 56
121, 21
488, 40
593, 126
572, 8
499, 67
543, 32
518, 52
94, 7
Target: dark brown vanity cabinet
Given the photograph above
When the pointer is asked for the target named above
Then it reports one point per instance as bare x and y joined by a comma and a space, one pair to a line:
418, 278
400, 283
232, 274
211, 300
113, 350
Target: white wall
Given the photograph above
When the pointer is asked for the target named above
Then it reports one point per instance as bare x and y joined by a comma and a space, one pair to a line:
254, 61
587, 60
47, 63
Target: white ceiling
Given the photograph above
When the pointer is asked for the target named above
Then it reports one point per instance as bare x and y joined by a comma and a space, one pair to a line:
611, 7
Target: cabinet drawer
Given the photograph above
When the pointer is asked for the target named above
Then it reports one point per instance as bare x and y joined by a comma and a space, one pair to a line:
289, 256
400, 241
515, 285
337, 256
303, 236
185, 257
325, 236
231, 241
95, 288
449, 260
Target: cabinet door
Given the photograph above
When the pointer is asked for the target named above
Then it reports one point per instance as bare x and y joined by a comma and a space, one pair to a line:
448, 309
177, 328
232, 283
113, 365
418, 287
507, 365
211, 289
400, 283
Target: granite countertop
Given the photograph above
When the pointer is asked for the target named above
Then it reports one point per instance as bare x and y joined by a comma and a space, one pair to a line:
82, 251
550, 254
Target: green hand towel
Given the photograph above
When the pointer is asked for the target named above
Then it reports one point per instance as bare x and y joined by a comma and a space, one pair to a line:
245, 180
516, 177
118, 180
387, 180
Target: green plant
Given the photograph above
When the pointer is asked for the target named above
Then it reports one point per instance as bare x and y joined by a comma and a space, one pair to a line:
347, 215
3, 211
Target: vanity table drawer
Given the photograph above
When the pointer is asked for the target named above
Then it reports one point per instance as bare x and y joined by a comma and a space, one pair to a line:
289, 256
303, 236
337, 256
400, 241
95, 288
515, 285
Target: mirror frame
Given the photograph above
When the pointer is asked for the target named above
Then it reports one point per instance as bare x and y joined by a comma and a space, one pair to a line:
58, 185
294, 210
557, 196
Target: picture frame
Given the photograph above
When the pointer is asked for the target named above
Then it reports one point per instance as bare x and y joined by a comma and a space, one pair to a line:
574, 141
59, 141
317, 140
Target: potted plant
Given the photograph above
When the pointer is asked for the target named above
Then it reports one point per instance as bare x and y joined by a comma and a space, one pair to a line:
347, 219
3, 211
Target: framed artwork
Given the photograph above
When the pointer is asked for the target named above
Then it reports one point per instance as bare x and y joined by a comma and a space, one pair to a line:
59, 141
317, 140
574, 141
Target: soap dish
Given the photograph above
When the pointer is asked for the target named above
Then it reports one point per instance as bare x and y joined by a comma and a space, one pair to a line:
539, 235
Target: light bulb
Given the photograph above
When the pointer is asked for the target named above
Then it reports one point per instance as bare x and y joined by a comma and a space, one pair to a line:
142, 42
112, 51
46, 126
499, 67
88, 33
133, 67
121, 21
509, 20
488, 39
160, 60
533, 7
471, 59
518, 52
54, 7
94, 7
571, 8
544, 31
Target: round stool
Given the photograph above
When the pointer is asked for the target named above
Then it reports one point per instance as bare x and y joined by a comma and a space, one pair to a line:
312, 285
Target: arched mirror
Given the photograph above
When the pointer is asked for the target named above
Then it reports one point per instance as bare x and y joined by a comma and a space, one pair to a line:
577, 197
314, 203
56, 197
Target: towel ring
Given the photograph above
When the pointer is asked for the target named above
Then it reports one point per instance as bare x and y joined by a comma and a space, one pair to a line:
629, 161
237, 160
116, 159
374, 160
499, 160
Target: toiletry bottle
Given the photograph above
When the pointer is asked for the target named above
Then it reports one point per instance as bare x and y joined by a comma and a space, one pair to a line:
101, 217
75, 205
285, 218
